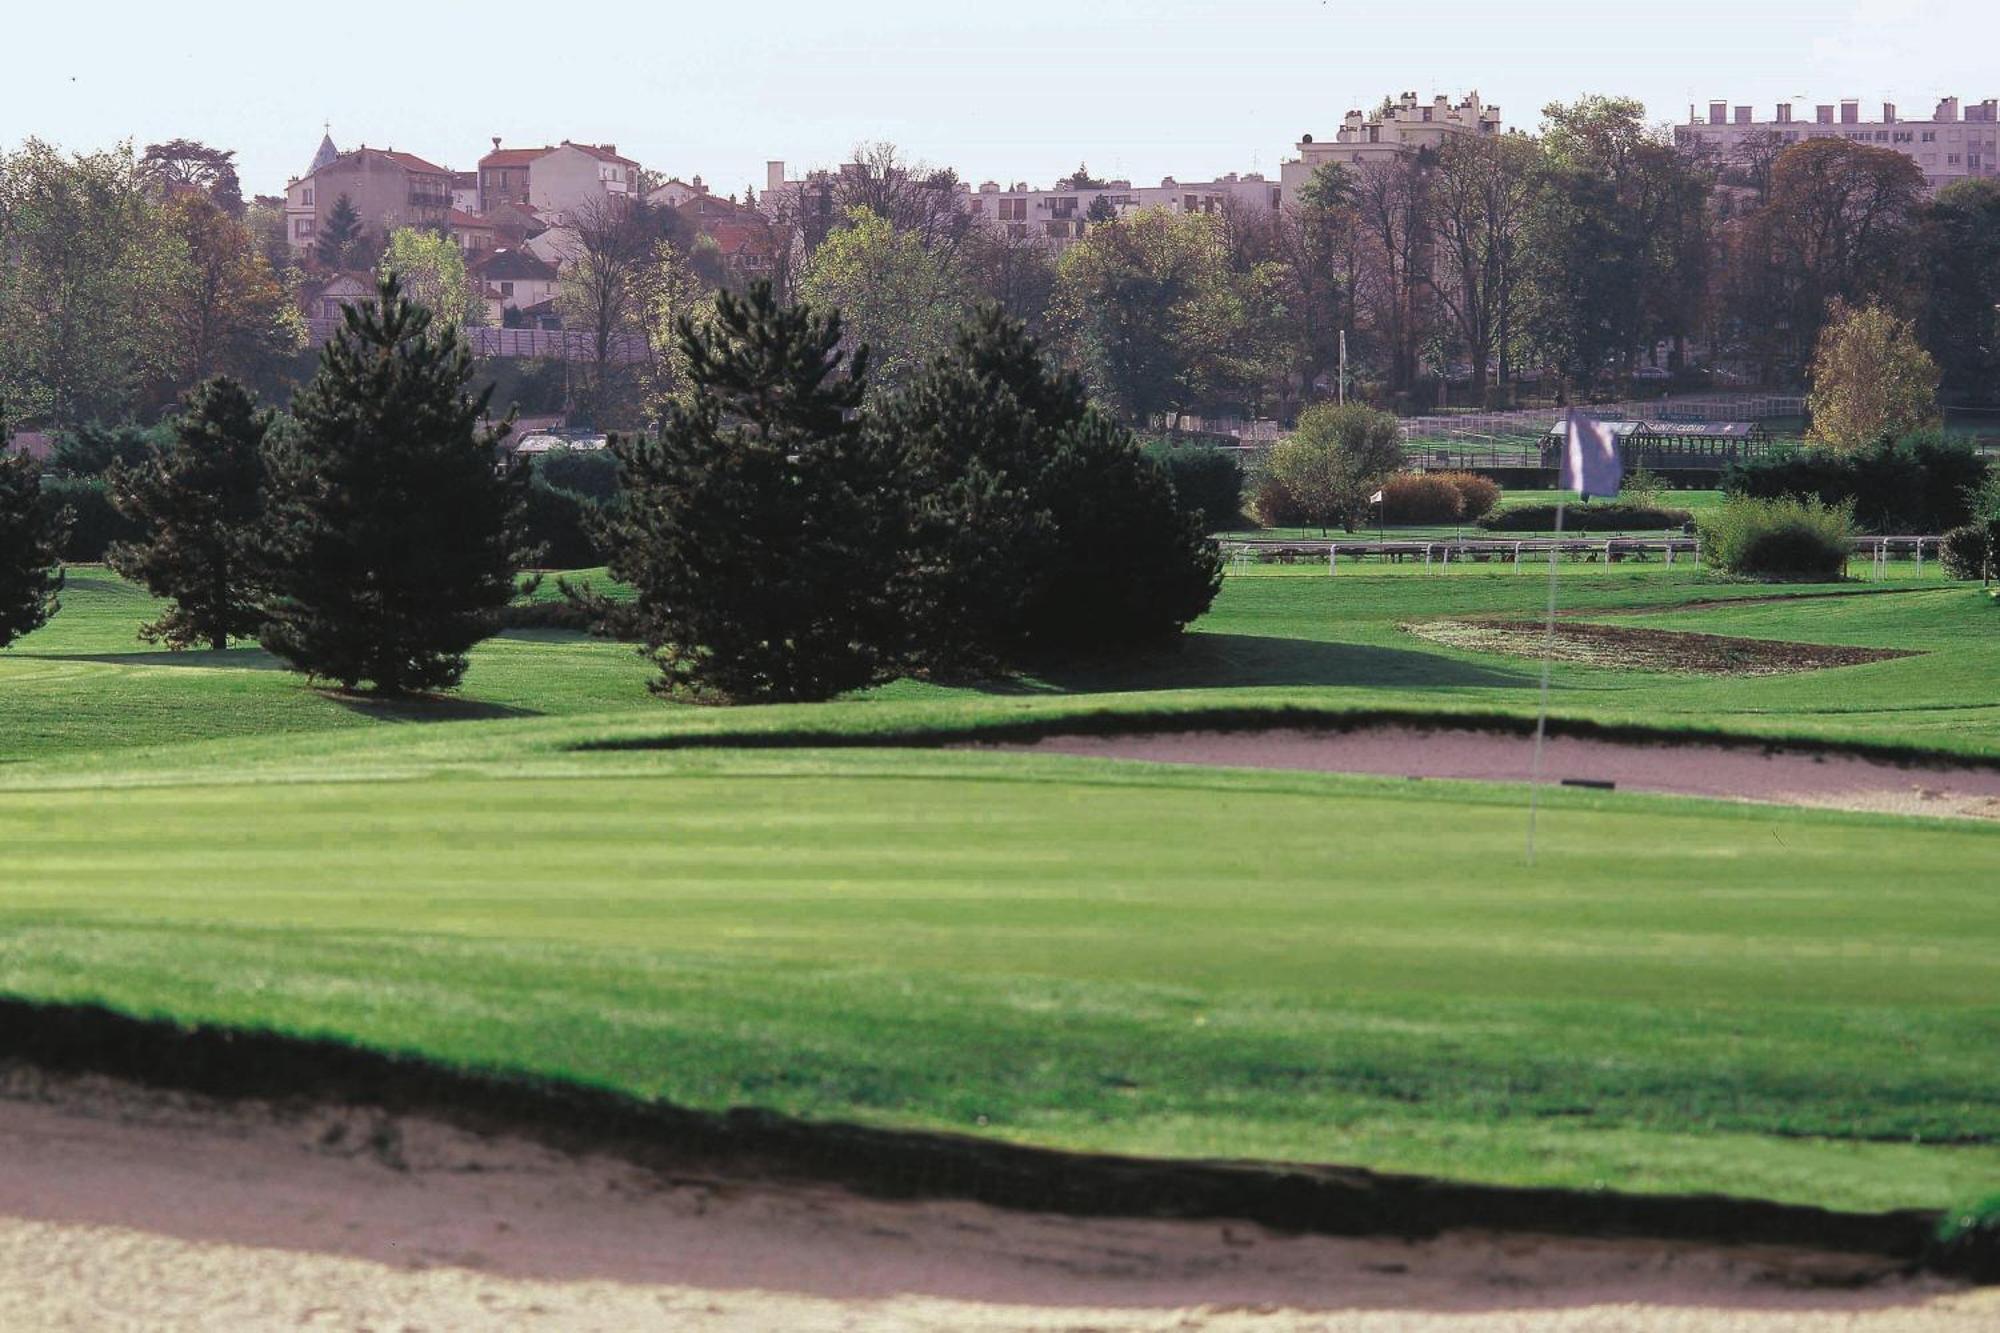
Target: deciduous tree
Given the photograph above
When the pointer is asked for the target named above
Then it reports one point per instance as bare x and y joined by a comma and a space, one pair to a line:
1338, 457
1871, 379
431, 271
902, 300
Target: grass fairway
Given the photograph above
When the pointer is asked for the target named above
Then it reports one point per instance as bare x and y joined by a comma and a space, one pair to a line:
1738, 999
1682, 995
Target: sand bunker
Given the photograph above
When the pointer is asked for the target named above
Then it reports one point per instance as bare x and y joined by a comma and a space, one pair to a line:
1645, 649
1788, 777
122, 1208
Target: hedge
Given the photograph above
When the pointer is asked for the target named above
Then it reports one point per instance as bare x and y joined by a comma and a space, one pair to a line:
1586, 518
1918, 484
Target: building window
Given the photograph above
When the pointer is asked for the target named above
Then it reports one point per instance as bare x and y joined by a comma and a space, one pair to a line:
308, 196
507, 289
302, 226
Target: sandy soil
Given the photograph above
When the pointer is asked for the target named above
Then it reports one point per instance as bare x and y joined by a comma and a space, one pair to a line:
1789, 777
123, 1209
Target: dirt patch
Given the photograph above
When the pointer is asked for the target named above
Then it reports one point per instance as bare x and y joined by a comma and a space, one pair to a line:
130, 1208
1628, 649
1744, 773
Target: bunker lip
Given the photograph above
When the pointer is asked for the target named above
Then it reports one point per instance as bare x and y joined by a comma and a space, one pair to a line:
129, 1204
251, 1064
1630, 649
1768, 774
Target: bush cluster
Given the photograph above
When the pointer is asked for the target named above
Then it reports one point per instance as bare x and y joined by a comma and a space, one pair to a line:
1973, 550
1586, 518
1785, 538
1916, 484
1438, 497
92, 523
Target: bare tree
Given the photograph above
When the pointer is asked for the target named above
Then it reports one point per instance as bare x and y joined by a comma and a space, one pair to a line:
604, 287
1392, 202
1480, 197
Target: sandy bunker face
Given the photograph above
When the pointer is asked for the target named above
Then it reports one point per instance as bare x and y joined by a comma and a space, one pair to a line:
1631, 649
1731, 772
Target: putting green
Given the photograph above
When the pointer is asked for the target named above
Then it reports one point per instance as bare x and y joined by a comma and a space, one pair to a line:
1678, 996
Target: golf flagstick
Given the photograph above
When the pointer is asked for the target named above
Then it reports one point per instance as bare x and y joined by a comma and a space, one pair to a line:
1590, 466
1542, 715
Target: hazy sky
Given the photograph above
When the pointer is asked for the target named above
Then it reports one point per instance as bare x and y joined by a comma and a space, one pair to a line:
1008, 89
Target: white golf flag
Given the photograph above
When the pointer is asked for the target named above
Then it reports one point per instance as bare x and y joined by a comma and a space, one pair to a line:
1590, 462
1375, 499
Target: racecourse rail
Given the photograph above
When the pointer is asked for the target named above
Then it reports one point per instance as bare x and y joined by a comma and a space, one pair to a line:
1445, 551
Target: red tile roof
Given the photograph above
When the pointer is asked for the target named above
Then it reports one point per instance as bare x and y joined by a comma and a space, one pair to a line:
411, 162
603, 153
512, 157
460, 218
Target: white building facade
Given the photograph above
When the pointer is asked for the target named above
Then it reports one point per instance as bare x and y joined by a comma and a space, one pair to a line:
1403, 126
1950, 146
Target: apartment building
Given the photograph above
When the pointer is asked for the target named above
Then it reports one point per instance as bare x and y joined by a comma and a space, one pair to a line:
557, 180
1061, 213
388, 189
1402, 126
1951, 145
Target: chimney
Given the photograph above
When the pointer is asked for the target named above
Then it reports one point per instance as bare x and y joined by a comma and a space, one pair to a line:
1784, 113
1850, 110
1947, 110
496, 143
1742, 115
1823, 113
774, 176
1888, 113
1718, 113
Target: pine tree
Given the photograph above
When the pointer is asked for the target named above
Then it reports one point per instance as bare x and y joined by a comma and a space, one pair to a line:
1040, 528
200, 501
30, 576
394, 526
762, 527
342, 232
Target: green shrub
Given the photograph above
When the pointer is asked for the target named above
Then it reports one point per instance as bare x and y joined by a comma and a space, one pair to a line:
1479, 494
1272, 505
1421, 497
1207, 480
94, 521
1779, 539
590, 473
561, 527
1586, 518
1919, 484
90, 450
1969, 552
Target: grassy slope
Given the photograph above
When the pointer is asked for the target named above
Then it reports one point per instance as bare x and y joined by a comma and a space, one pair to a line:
1682, 995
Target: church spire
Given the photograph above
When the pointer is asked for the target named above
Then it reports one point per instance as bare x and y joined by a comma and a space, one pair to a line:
326, 154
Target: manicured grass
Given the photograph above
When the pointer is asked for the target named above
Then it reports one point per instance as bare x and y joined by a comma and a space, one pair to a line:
1678, 996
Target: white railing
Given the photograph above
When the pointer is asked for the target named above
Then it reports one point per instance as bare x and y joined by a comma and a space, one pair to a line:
557, 344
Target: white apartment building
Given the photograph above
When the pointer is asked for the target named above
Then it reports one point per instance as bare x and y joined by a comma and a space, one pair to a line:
1948, 147
1403, 126
1062, 214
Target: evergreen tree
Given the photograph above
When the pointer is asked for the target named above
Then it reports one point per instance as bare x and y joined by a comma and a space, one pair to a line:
1039, 528
394, 527
340, 236
29, 532
761, 527
200, 502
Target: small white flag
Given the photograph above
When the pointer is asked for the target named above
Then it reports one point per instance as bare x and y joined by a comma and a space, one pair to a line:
1590, 462
1375, 499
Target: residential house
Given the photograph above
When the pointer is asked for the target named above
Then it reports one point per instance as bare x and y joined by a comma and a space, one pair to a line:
475, 235
515, 280
388, 189
744, 239
556, 181
323, 298
1062, 214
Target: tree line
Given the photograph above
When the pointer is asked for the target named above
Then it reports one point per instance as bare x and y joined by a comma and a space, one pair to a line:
787, 536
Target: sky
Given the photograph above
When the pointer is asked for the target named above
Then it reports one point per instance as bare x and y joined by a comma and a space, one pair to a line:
1006, 90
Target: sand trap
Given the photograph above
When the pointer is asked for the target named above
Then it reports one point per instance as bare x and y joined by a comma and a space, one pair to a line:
1619, 647
1789, 777
127, 1209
